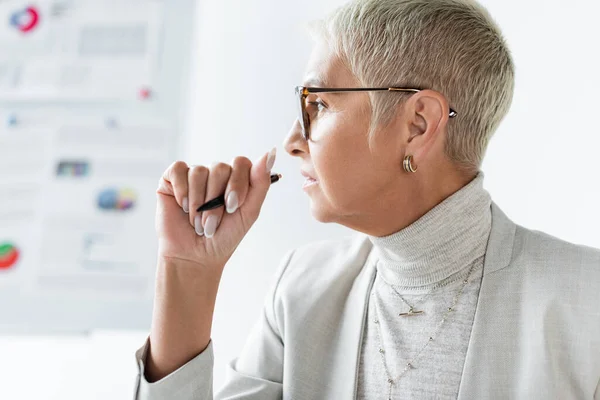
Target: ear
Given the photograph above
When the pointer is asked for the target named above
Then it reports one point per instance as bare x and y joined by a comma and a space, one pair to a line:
427, 114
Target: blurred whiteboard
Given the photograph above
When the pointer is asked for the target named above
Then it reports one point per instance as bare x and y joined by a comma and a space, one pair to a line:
91, 93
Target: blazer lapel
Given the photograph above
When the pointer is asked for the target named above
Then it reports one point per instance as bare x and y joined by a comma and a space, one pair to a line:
347, 350
498, 255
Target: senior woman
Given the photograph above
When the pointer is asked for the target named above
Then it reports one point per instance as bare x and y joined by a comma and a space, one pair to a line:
440, 295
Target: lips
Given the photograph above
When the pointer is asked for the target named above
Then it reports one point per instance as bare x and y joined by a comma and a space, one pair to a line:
310, 180
307, 175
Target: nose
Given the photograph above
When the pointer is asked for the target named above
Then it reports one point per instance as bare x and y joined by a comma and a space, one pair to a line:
294, 143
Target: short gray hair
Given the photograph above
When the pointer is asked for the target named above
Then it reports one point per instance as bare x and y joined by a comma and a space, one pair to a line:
451, 46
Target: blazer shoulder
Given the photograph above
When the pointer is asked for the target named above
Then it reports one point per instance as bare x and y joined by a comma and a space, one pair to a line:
555, 279
321, 264
537, 247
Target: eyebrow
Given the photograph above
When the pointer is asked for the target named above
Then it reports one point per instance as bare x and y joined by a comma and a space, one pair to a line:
317, 82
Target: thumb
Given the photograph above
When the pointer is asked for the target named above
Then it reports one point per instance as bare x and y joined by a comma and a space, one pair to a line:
260, 181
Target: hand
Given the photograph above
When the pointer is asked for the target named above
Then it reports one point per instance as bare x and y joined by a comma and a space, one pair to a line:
207, 240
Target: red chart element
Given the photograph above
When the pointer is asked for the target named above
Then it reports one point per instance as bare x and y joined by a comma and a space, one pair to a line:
9, 255
25, 20
145, 93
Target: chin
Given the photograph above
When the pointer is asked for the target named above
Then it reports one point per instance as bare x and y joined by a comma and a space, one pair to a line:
321, 214
325, 211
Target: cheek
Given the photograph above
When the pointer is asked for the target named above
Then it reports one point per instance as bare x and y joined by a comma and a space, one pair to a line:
342, 159
344, 175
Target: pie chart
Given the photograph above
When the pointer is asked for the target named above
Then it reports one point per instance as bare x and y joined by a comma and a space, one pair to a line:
117, 199
9, 256
25, 20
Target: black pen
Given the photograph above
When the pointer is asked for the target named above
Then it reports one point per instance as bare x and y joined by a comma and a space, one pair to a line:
220, 201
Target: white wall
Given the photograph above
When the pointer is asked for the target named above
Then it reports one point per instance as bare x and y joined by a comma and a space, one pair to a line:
541, 168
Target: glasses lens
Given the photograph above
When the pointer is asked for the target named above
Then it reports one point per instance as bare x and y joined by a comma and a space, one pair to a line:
302, 117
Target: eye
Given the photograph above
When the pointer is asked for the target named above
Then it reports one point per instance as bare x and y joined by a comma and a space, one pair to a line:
319, 105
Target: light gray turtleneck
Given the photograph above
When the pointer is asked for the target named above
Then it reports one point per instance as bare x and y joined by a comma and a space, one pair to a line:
426, 263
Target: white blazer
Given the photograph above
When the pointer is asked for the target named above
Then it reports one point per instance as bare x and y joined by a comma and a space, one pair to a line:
536, 332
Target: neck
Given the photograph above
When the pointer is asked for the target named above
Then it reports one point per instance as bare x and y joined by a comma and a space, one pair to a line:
427, 191
442, 242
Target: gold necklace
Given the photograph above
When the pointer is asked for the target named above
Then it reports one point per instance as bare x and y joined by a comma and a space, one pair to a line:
432, 337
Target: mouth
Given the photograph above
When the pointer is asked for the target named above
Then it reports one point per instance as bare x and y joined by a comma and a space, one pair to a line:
310, 181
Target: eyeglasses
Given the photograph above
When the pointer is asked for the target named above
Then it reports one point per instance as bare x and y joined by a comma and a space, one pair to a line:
302, 93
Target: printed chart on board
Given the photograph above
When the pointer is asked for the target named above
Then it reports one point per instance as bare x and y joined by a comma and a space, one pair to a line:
89, 119
78, 50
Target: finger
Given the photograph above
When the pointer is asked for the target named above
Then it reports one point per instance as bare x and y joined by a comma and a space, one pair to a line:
260, 181
217, 183
197, 180
176, 181
237, 188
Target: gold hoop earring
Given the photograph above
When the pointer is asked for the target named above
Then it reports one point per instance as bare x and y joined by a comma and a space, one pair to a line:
408, 167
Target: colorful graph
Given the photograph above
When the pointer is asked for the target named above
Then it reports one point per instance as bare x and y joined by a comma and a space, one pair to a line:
74, 169
117, 199
25, 20
9, 255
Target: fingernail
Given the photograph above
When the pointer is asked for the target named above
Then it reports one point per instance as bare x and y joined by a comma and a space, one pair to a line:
271, 159
186, 205
211, 226
232, 202
198, 225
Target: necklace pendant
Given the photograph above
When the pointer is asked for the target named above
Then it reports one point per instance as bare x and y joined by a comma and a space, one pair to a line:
411, 313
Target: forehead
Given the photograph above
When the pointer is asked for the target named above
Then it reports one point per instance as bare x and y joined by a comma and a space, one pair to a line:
325, 69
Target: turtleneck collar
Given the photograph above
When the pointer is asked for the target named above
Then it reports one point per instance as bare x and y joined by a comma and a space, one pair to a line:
445, 240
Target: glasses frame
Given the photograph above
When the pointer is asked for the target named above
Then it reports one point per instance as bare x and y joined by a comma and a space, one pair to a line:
302, 93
